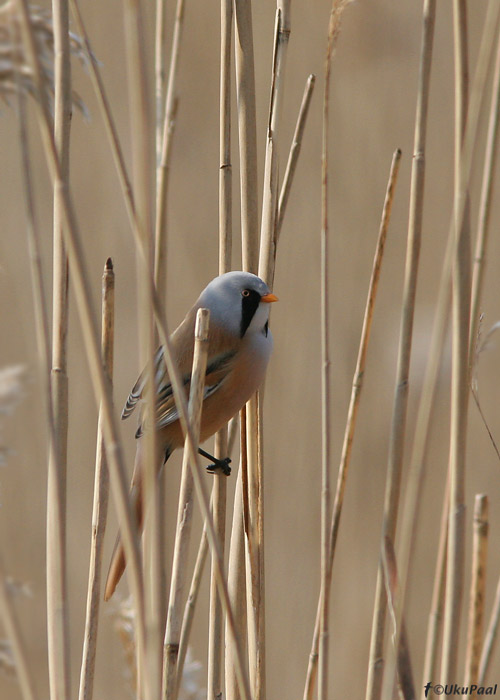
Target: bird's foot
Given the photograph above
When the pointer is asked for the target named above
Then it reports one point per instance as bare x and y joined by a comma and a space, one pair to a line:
220, 465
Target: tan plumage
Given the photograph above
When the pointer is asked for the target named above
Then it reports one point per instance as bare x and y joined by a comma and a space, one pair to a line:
240, 345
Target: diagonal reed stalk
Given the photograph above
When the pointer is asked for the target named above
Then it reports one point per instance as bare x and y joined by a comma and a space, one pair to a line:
163, 165
477, 590
57, 602
185, 512
405, 672
294, 153
357, 385
491, 639
395, 462
101, 497
483, 225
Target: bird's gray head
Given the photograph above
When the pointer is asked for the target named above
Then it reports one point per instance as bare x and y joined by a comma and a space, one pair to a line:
238, 302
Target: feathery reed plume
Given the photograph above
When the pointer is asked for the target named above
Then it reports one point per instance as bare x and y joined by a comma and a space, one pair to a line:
13, 655
15, 70
12, 380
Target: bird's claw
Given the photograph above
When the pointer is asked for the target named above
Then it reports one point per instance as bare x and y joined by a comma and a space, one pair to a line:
220, 465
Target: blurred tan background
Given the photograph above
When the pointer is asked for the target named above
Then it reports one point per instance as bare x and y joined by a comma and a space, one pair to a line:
372, 113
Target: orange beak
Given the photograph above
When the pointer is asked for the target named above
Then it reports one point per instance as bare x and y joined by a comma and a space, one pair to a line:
269, 298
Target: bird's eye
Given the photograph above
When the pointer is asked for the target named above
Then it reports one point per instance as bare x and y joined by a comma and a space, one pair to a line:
245, 293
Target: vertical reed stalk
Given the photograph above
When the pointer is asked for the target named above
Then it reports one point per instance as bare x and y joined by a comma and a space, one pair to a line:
477, 590
57, 604
149, 673
245, 91
160, 51
163, 166
461, 291
357, 385
437, 602
216, 623
185, 512
101, 497
271, 194
395, 463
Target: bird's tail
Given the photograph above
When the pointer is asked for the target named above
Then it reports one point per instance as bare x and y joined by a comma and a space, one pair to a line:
118, 562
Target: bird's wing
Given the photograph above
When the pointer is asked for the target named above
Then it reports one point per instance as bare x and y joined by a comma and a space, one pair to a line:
217, 371
222, 352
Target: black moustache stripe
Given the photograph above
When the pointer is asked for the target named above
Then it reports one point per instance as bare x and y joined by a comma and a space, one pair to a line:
249, 305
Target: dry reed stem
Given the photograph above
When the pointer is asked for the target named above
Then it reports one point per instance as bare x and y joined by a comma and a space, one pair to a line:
395, 462
163, 166
418, 462
254, 458
225, 167
216, 622
57, 603
187, 619
109, 123
437, 602
89, 326
245, 91
479, 263
101, 497
294, 153
404, 665
357, 385
180, 400
460, 364
270, 197
236, 585
13, 631
149, 671
333, 31
490, 639
185, 512
160, 51
203, 499
40, 304
477, 590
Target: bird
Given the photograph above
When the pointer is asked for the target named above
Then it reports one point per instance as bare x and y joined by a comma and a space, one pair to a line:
239, 348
